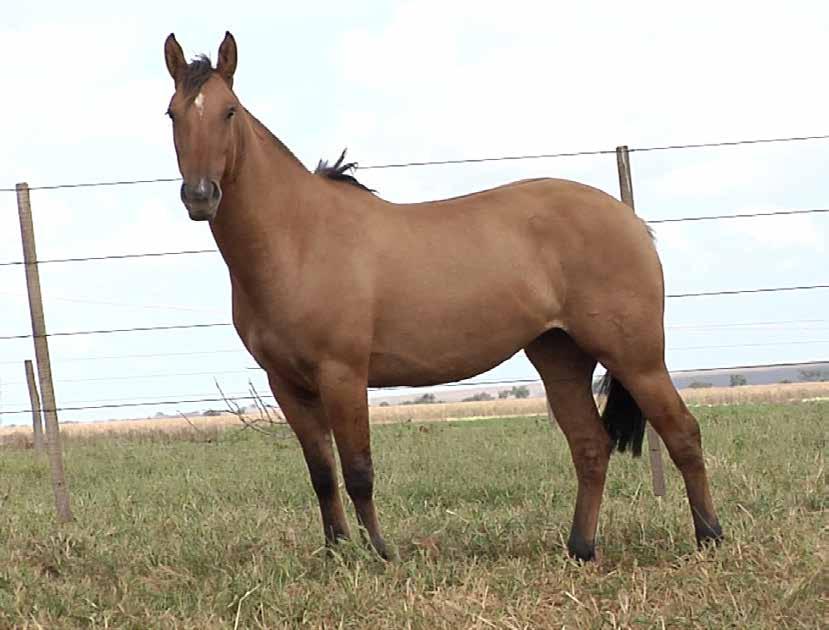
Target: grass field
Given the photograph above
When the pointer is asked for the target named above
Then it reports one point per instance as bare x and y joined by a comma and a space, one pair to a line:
224, 532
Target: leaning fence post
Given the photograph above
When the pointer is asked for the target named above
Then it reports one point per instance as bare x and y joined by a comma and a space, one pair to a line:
44, 367
654, 443
34, 399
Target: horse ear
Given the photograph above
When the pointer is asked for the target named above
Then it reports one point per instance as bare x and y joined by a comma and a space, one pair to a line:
174, 57
226, 66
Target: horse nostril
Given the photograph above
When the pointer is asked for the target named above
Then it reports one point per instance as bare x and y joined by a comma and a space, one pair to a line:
203, 190
215, 191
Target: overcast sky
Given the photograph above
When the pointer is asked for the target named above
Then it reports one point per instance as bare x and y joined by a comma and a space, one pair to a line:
86, 89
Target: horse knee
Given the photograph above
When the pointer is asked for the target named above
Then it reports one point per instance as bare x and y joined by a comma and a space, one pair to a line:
591, 462
323, 479
686, 449
359, 479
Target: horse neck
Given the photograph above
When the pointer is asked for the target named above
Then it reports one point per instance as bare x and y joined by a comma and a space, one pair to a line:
262, 220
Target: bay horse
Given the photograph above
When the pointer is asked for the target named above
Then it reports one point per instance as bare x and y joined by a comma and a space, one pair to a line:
335, 290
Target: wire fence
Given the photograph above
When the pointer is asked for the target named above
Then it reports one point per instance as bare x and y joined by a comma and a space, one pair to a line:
157, 401
75, 333
477, 160
135, 376
243, 396
189, 252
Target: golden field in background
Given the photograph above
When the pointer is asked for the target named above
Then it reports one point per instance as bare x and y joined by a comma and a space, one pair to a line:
208, 426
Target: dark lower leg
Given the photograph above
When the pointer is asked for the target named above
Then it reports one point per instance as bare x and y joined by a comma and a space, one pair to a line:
344, 397
323, 474
686, 452
680, 432
306, 417
590, 460
359, 482
567, 374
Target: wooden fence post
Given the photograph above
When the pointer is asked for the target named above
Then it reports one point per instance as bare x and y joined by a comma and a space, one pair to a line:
34, 399
41, 343
654, 443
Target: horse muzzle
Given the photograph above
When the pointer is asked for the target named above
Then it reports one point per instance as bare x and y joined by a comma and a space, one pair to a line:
201, 198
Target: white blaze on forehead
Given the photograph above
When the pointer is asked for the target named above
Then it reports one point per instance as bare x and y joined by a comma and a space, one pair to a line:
199, 103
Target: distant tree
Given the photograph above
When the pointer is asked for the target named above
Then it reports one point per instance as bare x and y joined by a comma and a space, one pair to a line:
426, 399
384, 404
738, 380
521, 392
504, 393
785, 381
481, 397
212, 412
699, 385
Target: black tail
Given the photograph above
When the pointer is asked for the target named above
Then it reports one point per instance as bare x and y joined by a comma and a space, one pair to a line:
622, 417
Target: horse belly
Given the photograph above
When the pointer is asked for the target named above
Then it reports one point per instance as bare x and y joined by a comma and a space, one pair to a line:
429, 351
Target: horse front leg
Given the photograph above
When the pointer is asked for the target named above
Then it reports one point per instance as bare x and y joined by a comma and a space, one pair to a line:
343, 393
306, 416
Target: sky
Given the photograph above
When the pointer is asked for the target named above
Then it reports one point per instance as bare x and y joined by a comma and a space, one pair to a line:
86, 89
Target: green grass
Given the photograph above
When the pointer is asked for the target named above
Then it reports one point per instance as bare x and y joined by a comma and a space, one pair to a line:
208, 534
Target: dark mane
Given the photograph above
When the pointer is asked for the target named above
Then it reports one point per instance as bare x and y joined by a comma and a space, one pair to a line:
340, 171
198, 72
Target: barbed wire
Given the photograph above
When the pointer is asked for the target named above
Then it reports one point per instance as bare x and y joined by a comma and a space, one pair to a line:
470, 384
116, 330
223, 324
745, 215
539, 156
241, 351
727, 143
499, 158
747, 291
122, 182
47, 261
246, 370
186, 252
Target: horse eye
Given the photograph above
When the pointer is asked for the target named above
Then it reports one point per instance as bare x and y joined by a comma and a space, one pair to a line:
170, 115
231, 113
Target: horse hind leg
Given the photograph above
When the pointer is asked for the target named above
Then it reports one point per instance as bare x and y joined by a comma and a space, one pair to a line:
567, 373
660, 402
641, 387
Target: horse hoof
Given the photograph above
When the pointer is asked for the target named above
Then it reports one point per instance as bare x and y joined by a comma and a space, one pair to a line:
709, 536
580, 549
382, 550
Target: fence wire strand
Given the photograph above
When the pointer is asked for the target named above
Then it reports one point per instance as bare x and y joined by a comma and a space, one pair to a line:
185, 252
523, 381
224, 324
499, 158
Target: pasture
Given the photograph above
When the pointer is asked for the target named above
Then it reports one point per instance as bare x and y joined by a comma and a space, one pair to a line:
223, 531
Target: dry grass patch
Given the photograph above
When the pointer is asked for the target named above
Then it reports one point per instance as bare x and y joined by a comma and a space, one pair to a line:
209, 428
745, 394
